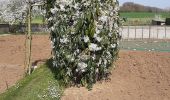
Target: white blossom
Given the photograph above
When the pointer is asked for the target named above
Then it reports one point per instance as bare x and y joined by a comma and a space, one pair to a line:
86, 39
76, 6
111, 13
100, 27
69, 71
81, 66
116, 25
105, 62
78, 51
50, 19
55, 63
64, 40
94, 57
53, 10
94, 47
54, 40
62, 8
52, 28
52, 45
97, 31
103, 18
113, 45
110, 34
100, 62
98, 38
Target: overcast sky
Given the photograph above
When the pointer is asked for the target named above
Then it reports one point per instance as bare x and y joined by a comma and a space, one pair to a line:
155, 3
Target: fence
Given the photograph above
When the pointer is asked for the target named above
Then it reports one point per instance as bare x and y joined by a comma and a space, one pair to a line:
6, 28
145, 32
127, 32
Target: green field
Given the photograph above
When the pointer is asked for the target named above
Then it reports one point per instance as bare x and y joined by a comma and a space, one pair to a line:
141, 18
143, 14
38, 19
133, 18
138, 21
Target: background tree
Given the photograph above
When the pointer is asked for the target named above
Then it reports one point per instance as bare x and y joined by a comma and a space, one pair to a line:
15, 11
133, 7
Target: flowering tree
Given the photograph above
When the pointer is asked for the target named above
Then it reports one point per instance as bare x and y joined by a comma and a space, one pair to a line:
13, 10
84, 36
16, 10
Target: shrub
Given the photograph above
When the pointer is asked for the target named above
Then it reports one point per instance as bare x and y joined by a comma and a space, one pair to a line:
84, 37
167, 22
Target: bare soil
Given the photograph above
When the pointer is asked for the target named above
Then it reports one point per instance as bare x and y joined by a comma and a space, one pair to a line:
138, 75
12, 57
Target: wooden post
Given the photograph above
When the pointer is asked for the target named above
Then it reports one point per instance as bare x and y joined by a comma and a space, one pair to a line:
165, 31
135, 32
128, 32
122, 32
142, 32
157, 32
26, 46
149, 31
29, 40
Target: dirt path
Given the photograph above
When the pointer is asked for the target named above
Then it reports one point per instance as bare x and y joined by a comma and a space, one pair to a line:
12, 57
138, 75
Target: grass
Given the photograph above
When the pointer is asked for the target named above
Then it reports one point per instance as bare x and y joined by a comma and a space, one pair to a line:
35, 20
143, 14
38, 20
138, 21
40, 85
146, 45
141, 18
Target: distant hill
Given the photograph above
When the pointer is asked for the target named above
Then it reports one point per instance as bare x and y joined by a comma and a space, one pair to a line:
134, 7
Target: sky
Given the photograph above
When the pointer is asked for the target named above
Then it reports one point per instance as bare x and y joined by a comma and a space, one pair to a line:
154, 3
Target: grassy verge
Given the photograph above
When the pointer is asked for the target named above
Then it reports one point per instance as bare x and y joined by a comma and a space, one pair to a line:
40, 85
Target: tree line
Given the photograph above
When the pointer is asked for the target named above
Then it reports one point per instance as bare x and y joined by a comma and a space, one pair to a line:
133, 7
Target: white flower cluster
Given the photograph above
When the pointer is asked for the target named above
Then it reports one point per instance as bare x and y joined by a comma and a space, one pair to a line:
81, 66
94, 47
51, 92
86, 35
12, 10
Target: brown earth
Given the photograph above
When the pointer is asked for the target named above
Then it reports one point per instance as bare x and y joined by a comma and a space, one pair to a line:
138, 75
12, 57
